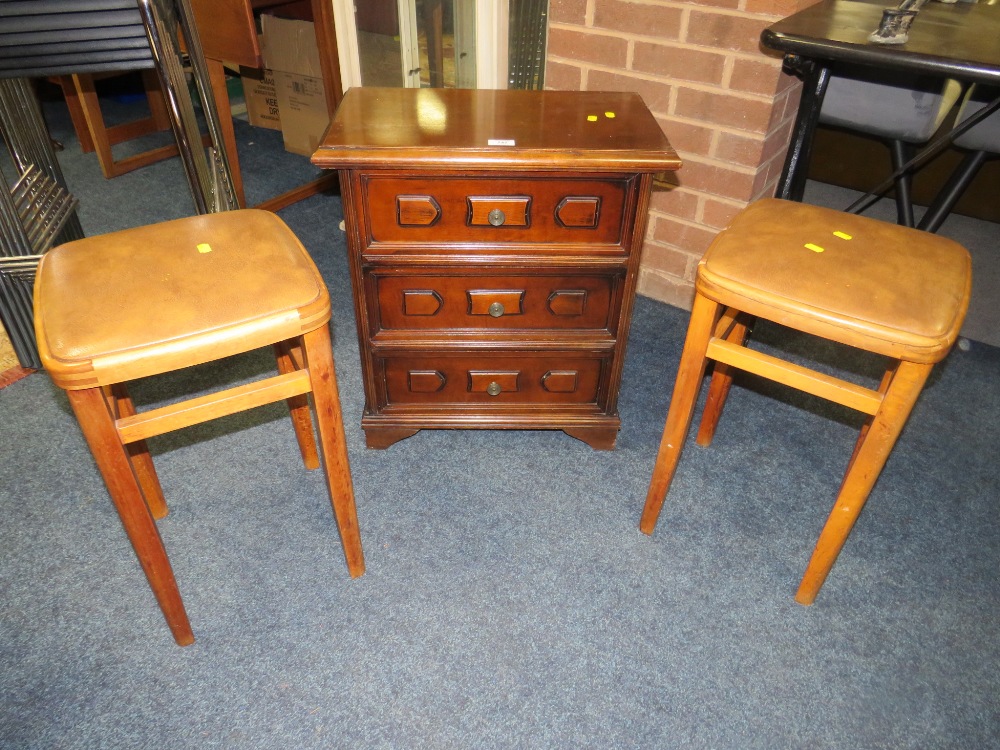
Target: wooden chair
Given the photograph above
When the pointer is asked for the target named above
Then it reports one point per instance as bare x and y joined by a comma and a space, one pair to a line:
902, 110
228, 34
145, 301
95, 135
894, 291
980, 143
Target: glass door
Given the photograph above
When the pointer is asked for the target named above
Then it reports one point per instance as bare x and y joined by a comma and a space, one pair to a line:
441, 43
416, 43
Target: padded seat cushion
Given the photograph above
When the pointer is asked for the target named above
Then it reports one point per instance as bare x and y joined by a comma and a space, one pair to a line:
986, 135
906, 109
143, 301
878, 286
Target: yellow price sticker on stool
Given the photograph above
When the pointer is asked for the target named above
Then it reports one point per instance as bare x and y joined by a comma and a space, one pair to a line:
610, 115
842, 235
204, 247
592, 118
814, 248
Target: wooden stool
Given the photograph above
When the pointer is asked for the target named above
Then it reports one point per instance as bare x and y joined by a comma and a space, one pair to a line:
141, 302
869, 284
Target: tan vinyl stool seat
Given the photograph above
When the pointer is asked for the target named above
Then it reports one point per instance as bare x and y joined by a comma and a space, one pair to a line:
880, 287
145, 301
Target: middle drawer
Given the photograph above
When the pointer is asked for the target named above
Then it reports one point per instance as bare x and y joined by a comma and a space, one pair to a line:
491, 302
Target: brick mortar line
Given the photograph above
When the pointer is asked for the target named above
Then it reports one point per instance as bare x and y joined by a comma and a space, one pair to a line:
688, 8
686, 222
716, 129
678, 43
676, 82
722, 128
701, 194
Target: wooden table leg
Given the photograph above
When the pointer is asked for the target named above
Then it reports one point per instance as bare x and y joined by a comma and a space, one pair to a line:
98, 428
142, 463
333, 444
865, 466
718, 389
298, 407
686, 387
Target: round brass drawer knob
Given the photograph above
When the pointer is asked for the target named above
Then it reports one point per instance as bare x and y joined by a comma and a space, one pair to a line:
496, 309
493, 388
496, 217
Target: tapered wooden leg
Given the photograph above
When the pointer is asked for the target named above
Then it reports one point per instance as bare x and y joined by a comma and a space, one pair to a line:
870, 457
298, 407
138, 452
704, 314
98, 428
76, 114
86, 95
718, 388
333, 444
882, 388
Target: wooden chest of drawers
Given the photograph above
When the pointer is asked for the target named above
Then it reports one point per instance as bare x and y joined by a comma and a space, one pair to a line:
494, 241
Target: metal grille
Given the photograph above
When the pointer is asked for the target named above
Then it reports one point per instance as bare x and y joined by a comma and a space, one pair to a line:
526, 46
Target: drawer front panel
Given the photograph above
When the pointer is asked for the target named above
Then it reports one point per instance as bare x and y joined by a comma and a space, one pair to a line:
441, 210
487, 302
492, 381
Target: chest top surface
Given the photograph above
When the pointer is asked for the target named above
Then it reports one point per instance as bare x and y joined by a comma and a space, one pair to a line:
517, 130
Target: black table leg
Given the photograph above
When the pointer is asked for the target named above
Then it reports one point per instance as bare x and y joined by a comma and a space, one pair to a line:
815, 77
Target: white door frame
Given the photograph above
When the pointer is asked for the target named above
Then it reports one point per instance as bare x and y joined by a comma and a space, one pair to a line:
492, 22
408, 46
465, 42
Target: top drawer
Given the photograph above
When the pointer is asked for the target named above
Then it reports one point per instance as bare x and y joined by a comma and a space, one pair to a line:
536, 210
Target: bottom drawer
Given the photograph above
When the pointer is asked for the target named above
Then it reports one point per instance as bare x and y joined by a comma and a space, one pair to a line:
492, 381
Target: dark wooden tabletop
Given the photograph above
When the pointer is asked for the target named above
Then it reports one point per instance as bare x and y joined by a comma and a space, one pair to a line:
961, 40
387, 127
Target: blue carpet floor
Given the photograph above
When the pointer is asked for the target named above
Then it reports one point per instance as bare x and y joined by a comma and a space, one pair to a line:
510, 600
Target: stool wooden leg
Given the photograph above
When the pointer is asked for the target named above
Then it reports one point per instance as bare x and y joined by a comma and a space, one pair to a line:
298, 406
718, 389
882, 388
704, 314
98, 428
333, 444
120, 404
865, 466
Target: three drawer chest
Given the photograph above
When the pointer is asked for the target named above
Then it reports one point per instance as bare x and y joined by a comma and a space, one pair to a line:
494, 241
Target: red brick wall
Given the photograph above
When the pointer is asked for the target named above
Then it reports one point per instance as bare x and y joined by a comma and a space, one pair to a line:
724, 104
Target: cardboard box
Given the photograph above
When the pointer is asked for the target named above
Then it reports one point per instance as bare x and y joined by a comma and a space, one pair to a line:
290, 52
262, 101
